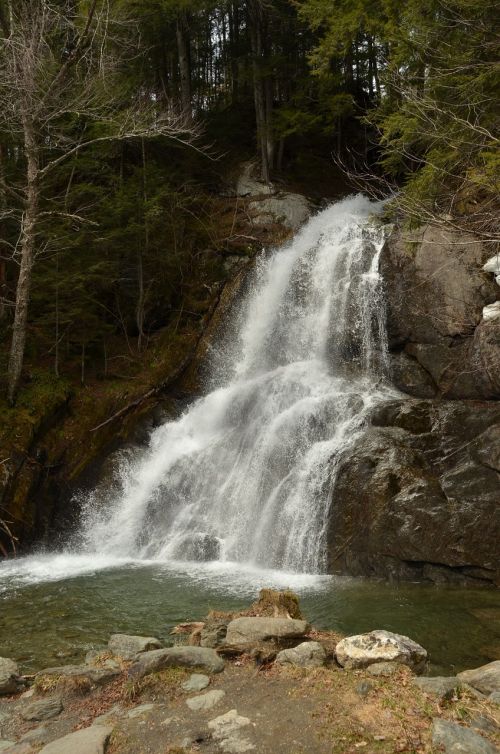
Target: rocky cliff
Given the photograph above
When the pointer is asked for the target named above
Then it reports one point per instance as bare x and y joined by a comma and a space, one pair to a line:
419, 494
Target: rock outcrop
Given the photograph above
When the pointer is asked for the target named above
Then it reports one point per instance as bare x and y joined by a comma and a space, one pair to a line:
417, 495
436, 291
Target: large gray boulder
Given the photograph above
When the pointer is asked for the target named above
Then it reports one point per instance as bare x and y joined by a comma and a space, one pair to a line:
128, 647
425, 466
485, 679
183, 656
91, 740
363, 650
242, 632
454, 739
309, 654
9, 676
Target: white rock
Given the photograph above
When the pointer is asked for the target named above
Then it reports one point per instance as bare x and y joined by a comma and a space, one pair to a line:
226, 724
309, 654
91, 740
227, 731
492, 311
205, 701
379, 646
493, 265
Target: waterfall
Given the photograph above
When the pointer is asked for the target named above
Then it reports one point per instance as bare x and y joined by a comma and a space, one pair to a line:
245, 474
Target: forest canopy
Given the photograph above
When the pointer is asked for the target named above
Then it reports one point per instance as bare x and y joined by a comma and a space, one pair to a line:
121, 120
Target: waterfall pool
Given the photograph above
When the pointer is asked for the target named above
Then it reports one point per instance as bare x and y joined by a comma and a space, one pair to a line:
55, 608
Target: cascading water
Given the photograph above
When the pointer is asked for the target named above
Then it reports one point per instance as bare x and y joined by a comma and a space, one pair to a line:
246, 473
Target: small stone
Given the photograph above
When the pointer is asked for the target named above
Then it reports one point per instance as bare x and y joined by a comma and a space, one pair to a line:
128, 647
458, 740
196, 682
9, 676
191, 657
91, 740
384, 669
142, 709
485, 679
379, 646
22, 747
494, 697
441, 686
43, 709
309, 654
205, 701
364, 688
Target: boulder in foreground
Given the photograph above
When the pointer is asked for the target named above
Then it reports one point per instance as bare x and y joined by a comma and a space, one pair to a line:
309, 654
251, 631
485, 679
186, 657
363, 650
91, 740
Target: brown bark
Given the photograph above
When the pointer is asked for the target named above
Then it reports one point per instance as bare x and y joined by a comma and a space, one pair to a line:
27, 246
255, 23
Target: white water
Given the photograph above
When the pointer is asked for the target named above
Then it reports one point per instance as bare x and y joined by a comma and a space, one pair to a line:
244, 476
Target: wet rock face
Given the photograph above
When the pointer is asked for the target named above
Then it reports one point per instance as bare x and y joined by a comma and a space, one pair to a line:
436, 291
417, 495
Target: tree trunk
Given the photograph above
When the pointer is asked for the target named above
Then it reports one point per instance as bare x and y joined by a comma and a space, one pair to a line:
27, 246
184, 69
258, 87
139, 312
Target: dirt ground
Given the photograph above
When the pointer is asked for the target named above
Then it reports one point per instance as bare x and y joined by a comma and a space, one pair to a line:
278, 709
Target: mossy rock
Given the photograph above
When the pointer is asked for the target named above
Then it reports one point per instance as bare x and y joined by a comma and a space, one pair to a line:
276, 604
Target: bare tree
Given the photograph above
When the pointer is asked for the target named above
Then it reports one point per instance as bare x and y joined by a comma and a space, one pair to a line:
61, 88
